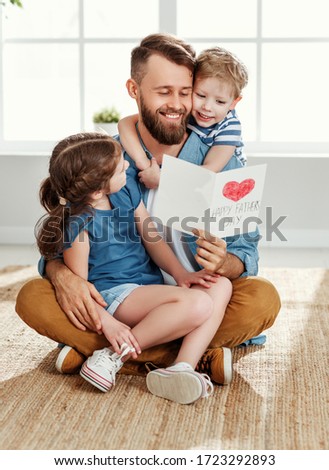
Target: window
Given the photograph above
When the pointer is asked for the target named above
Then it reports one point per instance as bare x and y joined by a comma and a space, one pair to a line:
62, 61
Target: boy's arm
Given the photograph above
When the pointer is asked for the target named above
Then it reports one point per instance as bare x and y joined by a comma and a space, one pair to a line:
131, 142
218, 156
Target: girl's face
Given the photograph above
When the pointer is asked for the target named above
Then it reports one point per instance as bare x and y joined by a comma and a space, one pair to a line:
118, 179
212, 100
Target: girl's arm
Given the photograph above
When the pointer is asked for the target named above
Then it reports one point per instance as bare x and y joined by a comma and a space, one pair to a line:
162, 254
131, 143
217, 157
76, 257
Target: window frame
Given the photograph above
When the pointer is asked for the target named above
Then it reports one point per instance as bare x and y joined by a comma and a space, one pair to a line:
167, 23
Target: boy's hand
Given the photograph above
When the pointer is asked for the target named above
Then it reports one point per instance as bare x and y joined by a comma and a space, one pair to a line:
151, 176
201, 278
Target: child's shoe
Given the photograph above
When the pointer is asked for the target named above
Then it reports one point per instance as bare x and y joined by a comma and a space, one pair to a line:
179, 383
100, 368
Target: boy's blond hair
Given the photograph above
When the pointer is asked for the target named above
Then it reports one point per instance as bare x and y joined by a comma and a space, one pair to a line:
219, 63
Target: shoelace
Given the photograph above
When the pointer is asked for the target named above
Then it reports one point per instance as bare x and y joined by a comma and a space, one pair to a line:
112, 361
209, 387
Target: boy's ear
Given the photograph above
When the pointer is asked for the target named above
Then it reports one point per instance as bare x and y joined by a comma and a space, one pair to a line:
132, 88
234, 103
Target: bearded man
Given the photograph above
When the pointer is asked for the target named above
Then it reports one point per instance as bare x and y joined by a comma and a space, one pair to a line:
61, 306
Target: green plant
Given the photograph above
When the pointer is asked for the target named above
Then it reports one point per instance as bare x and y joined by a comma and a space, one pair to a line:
107, 115
13, 2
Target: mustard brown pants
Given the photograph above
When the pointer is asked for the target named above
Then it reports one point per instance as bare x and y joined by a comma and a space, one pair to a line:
253, 308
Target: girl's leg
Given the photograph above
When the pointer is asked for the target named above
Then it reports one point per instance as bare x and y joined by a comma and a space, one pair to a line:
158, 314
179, 382
196, 342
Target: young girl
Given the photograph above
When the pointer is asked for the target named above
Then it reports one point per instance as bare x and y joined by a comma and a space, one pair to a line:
97, 221
218, 82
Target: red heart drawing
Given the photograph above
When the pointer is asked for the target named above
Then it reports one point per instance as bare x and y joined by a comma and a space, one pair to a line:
236, 191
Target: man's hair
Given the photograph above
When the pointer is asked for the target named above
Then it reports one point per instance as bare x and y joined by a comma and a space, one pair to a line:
166, 45
222, 64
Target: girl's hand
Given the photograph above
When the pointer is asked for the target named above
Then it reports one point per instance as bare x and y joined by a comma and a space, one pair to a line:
118, 333
151, 176
201, 278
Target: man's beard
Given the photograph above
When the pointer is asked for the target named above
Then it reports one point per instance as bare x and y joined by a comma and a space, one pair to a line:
166, 134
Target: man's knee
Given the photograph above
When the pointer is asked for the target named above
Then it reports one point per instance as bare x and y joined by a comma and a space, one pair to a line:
253, 308
33, 297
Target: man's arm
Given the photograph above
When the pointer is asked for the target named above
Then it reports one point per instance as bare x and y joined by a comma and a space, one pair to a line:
213, 256
75, 296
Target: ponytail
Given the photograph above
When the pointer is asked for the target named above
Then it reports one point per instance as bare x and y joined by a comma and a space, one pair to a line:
49, 230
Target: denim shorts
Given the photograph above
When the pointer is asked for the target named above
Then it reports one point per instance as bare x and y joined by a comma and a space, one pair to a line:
116, 295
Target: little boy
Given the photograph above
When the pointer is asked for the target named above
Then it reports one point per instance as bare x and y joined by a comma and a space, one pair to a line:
218, 82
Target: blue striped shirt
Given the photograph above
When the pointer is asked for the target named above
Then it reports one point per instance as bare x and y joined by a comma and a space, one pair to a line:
225, 132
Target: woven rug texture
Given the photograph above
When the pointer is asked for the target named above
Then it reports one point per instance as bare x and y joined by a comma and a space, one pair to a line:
278, 398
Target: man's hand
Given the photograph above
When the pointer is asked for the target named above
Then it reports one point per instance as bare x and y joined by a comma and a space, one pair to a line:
213, 257
211, 251
151, 176
76, 296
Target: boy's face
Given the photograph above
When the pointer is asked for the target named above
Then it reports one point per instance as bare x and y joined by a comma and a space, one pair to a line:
212, 100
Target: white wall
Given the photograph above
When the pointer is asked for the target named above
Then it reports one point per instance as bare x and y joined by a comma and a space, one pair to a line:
295, 186
20, 178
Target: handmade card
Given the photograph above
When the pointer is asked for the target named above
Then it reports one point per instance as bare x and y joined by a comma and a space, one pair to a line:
223, 204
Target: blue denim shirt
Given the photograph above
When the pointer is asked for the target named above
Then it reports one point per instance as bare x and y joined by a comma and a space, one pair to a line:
245, 246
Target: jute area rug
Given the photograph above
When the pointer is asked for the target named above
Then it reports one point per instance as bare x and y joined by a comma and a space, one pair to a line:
278, 399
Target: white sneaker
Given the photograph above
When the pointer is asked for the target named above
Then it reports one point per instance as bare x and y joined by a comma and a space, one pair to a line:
100, 368
179, 383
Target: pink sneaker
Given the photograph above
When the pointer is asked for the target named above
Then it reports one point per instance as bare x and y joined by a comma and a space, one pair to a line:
179, 383
100, 368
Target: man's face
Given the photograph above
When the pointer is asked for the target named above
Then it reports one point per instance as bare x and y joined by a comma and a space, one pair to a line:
164, 100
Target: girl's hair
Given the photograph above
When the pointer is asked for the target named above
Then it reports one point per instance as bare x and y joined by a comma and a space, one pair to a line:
222, 64
166, 45
79, 165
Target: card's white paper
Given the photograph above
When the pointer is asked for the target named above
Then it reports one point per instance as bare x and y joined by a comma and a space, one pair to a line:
223, 204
